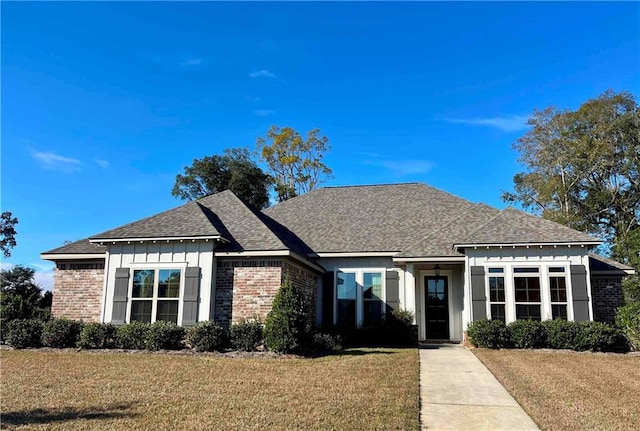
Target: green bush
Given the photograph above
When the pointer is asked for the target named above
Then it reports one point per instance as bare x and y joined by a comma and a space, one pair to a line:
61, 333
326, 343
246, 335
560, 334
207, 337
492, 334
628, 319
526, 334
165, 336
24, 333
599, 337
13, 307
132, 335
287, 328
97, 336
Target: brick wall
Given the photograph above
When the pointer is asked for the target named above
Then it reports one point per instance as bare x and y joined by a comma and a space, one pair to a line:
607, 296
77, 290
306, 280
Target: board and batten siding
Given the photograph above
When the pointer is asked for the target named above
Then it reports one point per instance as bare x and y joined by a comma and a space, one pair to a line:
545, 256
191, 254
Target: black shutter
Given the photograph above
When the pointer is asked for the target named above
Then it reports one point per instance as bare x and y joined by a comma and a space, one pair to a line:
478, 293
191, 296
392, 291
120, 293
327, 298
579, 293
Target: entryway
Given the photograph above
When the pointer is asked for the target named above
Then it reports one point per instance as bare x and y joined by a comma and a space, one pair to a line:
436, 307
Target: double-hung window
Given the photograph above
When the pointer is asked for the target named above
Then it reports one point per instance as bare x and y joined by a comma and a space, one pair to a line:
497, 294
526, 282
155, 295
558, 291
359, 297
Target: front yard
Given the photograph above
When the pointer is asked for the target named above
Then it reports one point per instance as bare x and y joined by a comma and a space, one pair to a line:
358, 389
564, 390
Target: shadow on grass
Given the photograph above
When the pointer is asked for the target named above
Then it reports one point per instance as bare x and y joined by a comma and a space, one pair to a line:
42, 416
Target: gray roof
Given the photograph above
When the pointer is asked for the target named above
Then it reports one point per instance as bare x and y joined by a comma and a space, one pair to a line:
79, 247
601, 263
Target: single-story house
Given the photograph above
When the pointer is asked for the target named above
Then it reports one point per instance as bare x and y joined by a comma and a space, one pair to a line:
356, 251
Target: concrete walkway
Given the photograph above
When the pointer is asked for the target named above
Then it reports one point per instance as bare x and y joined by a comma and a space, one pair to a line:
457, 392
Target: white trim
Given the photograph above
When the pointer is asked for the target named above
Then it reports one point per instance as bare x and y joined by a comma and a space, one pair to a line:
355, 254
528, 244
429, 259
422, 324
62, 256
267, 253
103, 312
157, 239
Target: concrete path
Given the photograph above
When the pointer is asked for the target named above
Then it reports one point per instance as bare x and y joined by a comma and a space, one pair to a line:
457, 392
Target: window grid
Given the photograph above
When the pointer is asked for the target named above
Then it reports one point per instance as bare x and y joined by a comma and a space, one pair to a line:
558, 293
527, 290
497, 301
155, 295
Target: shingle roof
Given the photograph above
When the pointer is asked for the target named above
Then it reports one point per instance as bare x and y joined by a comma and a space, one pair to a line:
601, 263
512, 226
79, 247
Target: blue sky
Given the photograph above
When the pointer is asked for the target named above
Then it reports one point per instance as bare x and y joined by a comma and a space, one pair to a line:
104, 103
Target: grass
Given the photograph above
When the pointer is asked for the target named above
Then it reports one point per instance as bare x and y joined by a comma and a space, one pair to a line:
359, 389
564, 390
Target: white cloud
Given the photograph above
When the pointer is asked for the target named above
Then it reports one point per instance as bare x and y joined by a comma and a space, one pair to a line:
192, 62
43, 276
264, 112
401, 167
56, 162
263, 74
102, 163
511, 123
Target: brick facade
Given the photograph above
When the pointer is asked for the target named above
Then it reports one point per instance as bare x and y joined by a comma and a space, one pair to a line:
77, 290
245, 289
607, 296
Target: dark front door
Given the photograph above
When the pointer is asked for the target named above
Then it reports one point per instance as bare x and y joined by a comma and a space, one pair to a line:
437, 308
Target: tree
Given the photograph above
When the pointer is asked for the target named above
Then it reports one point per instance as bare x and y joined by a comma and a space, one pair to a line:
582, 170
7, 232
234, 170
21, 297
294, 163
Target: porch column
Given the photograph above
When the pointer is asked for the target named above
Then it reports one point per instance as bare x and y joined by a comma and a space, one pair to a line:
410, 290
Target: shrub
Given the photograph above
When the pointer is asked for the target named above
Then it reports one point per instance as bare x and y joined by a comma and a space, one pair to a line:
14, 307
246, 335
599, 337
97, 336
132, 335
61, 333
287, 328
492, 334
165, 335
207, 337
560, 334
23, 333
526, 334
326, 343
628, 319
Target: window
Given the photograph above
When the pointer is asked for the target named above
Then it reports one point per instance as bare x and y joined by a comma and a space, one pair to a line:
359, 297
497, 294
558, 290
155, 295
526, 283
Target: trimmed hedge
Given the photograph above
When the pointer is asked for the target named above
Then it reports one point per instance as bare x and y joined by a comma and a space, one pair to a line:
97, 336
580, 336
132, 335
246, 335
24, 333
61, 333
165, 336
207, 337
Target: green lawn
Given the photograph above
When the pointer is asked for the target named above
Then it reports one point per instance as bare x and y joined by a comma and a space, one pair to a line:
563, 390
359, 389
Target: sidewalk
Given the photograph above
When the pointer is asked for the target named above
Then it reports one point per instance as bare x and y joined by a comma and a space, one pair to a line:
457, 392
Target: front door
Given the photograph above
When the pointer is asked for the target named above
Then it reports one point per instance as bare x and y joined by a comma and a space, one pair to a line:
437, 308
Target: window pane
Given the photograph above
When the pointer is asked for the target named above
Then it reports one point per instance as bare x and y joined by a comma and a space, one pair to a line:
559, 312
143, 283
556, 269
497, 312
525, 270
346, 282
528, 312
558, 289
167, 311
496, 270
169, 283
372, 287
496, 289
346, 312
372, 312
527, 289
141, 311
